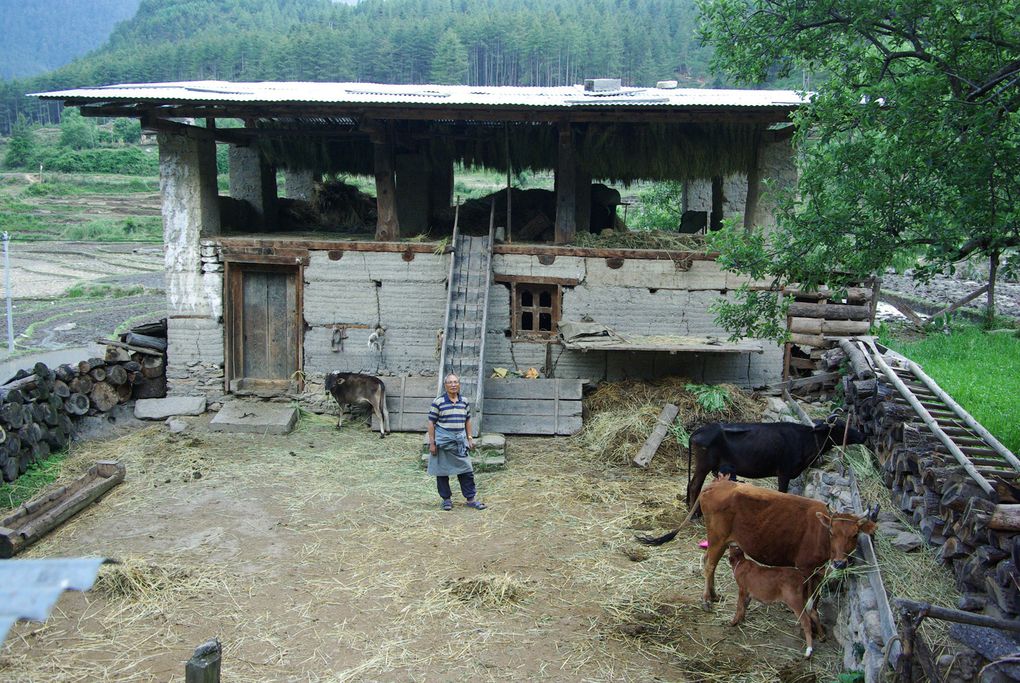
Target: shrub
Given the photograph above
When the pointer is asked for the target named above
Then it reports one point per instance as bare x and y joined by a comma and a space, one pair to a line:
123, 160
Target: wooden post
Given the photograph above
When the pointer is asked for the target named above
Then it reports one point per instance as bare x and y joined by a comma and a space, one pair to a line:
753, 183
387, 227
204, 665
662, 425
583, 194
440, 184
715, 219
566, 187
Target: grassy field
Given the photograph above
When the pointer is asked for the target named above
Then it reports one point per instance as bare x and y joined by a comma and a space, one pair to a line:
91, 207
980, 370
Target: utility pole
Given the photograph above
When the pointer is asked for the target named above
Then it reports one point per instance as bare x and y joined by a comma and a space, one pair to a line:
7, 289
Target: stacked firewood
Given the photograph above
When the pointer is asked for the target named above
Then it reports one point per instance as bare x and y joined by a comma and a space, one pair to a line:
976, 531
38, 408
817, 320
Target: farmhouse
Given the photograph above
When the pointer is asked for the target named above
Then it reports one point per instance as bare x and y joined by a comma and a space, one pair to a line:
266, 295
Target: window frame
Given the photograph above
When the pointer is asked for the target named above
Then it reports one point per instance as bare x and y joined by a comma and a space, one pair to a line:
517, 310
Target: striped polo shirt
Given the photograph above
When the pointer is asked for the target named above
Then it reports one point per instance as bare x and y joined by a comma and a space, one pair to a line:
447, 413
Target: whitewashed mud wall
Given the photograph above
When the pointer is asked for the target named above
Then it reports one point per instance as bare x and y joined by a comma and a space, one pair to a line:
187, 170
778, 170
641, 297
350, 296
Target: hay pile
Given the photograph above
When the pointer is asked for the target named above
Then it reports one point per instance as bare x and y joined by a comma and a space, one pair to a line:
622, 415
499, 592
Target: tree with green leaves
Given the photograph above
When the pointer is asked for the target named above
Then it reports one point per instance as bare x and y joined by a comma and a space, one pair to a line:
22, 149
450, 64
910, 149
78, 132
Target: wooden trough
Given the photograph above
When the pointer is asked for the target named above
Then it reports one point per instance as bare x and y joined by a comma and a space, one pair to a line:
45, 512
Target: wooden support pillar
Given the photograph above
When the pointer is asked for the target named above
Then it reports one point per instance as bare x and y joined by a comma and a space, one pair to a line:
387, 227
583, 183
715, 219
753, 183
412, 197
440, 184
566, 186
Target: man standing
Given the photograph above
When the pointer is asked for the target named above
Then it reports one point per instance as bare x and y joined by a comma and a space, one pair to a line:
449, 428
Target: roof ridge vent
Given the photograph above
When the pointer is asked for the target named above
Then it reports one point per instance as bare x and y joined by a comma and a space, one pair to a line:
603, 85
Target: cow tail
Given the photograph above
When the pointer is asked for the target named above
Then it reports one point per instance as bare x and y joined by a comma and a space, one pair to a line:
648, 540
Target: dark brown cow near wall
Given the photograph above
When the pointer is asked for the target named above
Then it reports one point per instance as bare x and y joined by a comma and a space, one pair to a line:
348, 388
778, 529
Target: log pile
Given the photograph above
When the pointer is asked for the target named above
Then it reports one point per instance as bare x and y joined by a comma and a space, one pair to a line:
976, 531
817, 321
39, 408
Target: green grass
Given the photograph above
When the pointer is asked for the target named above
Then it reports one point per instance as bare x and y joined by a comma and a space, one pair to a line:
69, 186
38, 476
91, 290
135, 229
981, 371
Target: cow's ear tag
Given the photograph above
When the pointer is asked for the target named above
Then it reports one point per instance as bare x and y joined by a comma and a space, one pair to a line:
826, 522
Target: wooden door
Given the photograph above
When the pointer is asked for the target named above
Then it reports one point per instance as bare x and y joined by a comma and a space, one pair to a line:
264, 331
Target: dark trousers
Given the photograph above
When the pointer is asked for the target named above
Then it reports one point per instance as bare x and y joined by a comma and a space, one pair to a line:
467, 485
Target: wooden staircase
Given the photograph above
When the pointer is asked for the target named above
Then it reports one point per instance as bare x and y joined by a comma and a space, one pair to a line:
467, 306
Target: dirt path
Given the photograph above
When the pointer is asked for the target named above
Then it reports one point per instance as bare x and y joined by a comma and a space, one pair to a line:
323, 556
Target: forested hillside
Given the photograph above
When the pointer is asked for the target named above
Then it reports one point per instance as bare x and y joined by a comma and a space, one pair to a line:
479, 42
36, 37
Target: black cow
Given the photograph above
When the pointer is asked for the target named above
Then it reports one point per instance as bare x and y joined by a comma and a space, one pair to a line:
755, 450
349, 388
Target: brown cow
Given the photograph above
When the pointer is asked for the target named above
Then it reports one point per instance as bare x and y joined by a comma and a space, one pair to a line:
772, 584
348, 388
778, 529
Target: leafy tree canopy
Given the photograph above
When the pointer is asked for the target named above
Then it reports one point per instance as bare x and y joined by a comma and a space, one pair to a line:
23, 147
910, 148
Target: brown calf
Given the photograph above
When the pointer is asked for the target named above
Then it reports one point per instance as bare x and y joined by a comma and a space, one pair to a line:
773, 584
348, 388
777, 529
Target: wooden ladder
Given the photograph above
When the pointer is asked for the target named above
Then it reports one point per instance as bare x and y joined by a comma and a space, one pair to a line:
467, 304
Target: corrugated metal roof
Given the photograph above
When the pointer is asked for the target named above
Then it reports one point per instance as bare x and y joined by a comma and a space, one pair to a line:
439, 95
30, 588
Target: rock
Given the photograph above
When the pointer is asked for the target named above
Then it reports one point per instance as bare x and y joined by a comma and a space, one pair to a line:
777, 405
907, 541
176, 426
972, 602
893, 528
162, 408
491, 441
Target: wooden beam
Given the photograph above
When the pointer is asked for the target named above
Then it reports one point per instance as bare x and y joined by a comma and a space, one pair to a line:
566, 186
513, 113
716, 216
583, 193
234, 136
387, 226
753, 182
592, 252
662, 425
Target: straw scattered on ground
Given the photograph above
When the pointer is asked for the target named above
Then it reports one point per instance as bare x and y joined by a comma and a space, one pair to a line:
323, 555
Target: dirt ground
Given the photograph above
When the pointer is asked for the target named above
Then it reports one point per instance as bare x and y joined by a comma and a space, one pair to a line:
323, 556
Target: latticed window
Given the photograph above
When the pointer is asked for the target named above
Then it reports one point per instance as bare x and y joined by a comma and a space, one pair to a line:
535, 310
